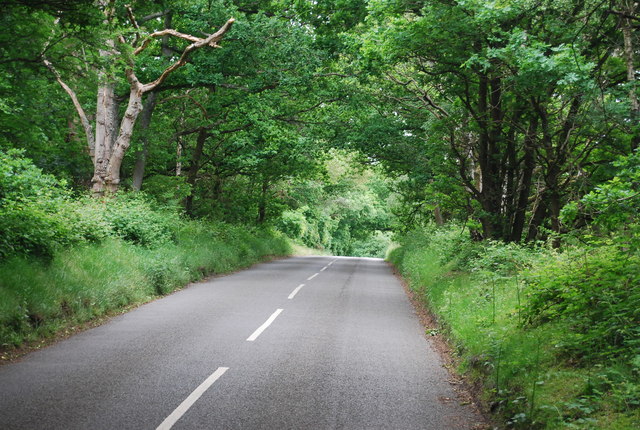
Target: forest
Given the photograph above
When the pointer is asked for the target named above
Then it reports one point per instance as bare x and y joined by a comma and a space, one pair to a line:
487, 148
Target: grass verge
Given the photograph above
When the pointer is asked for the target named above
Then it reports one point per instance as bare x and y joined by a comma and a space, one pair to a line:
39, 299
524, 376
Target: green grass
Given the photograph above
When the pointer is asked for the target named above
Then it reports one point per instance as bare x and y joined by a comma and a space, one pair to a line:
38, 299
526, 383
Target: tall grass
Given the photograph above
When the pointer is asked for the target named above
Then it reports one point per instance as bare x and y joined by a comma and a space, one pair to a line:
476, 292
39, 298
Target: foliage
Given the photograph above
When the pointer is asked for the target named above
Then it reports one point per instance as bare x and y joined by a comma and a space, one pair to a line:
31, 202
594, 293
168, 191
613, 206
346, 213
39, 216
133, 219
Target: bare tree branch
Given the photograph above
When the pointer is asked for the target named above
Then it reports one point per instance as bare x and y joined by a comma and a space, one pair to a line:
212, 41
154, 15
86, 124
132, 18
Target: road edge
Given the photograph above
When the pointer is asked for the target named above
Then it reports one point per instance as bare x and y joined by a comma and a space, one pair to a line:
467, 393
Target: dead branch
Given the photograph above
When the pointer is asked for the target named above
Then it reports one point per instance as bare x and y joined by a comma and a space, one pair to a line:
81, 113
212, 41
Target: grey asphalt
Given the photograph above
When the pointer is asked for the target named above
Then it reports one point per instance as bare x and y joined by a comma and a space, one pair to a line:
347, 352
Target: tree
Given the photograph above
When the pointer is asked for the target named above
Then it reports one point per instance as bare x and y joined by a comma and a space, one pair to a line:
513, 92
112, 137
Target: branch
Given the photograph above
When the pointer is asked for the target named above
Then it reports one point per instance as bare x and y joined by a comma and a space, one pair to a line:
624, 15
212, 41
154, 15
88, 129
205, 114
132, 18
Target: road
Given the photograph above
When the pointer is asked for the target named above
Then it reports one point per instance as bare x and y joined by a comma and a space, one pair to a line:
299, 343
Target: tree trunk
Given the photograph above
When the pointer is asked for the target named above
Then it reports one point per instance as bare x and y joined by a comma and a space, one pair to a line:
437, 214
141, 155
194, 167
525, 184
262, 205
106, 128
490, 121
107, 176
627, 28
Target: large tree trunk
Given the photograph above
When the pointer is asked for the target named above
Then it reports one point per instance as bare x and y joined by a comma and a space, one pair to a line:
141, 155
107, 175
629, 8
525, 183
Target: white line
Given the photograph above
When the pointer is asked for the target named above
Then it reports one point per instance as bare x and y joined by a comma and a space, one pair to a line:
189, 401
324, 268
312, 276
264, 326
294, 292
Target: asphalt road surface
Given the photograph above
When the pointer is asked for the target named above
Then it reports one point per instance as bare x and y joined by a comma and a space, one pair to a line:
300, 343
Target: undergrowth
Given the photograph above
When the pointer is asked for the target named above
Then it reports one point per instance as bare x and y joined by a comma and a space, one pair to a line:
551, 337
66, 259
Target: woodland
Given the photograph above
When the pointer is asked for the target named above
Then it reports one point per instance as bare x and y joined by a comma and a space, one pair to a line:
487, 148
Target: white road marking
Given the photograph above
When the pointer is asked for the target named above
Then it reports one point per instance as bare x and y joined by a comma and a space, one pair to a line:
294, 292
189, 401
324, 268
312, 276
264, 326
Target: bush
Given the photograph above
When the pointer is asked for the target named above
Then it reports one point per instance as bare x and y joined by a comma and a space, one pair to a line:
595, 294
31, 209
292, 223
560, 352
132, 218
504, 259
38, 215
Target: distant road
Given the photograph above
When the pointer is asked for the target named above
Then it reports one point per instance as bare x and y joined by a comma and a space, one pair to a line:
301, 343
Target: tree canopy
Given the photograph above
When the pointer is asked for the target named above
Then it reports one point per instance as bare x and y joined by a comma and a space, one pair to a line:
504, 115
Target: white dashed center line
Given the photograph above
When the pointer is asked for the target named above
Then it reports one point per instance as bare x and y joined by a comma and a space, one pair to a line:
294, 292
312, 276
189, 401
264, 326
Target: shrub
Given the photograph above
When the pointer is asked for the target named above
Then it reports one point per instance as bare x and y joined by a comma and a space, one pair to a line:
133, 219
169, 191
292, 223
31, 209
595, 294
504, 259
